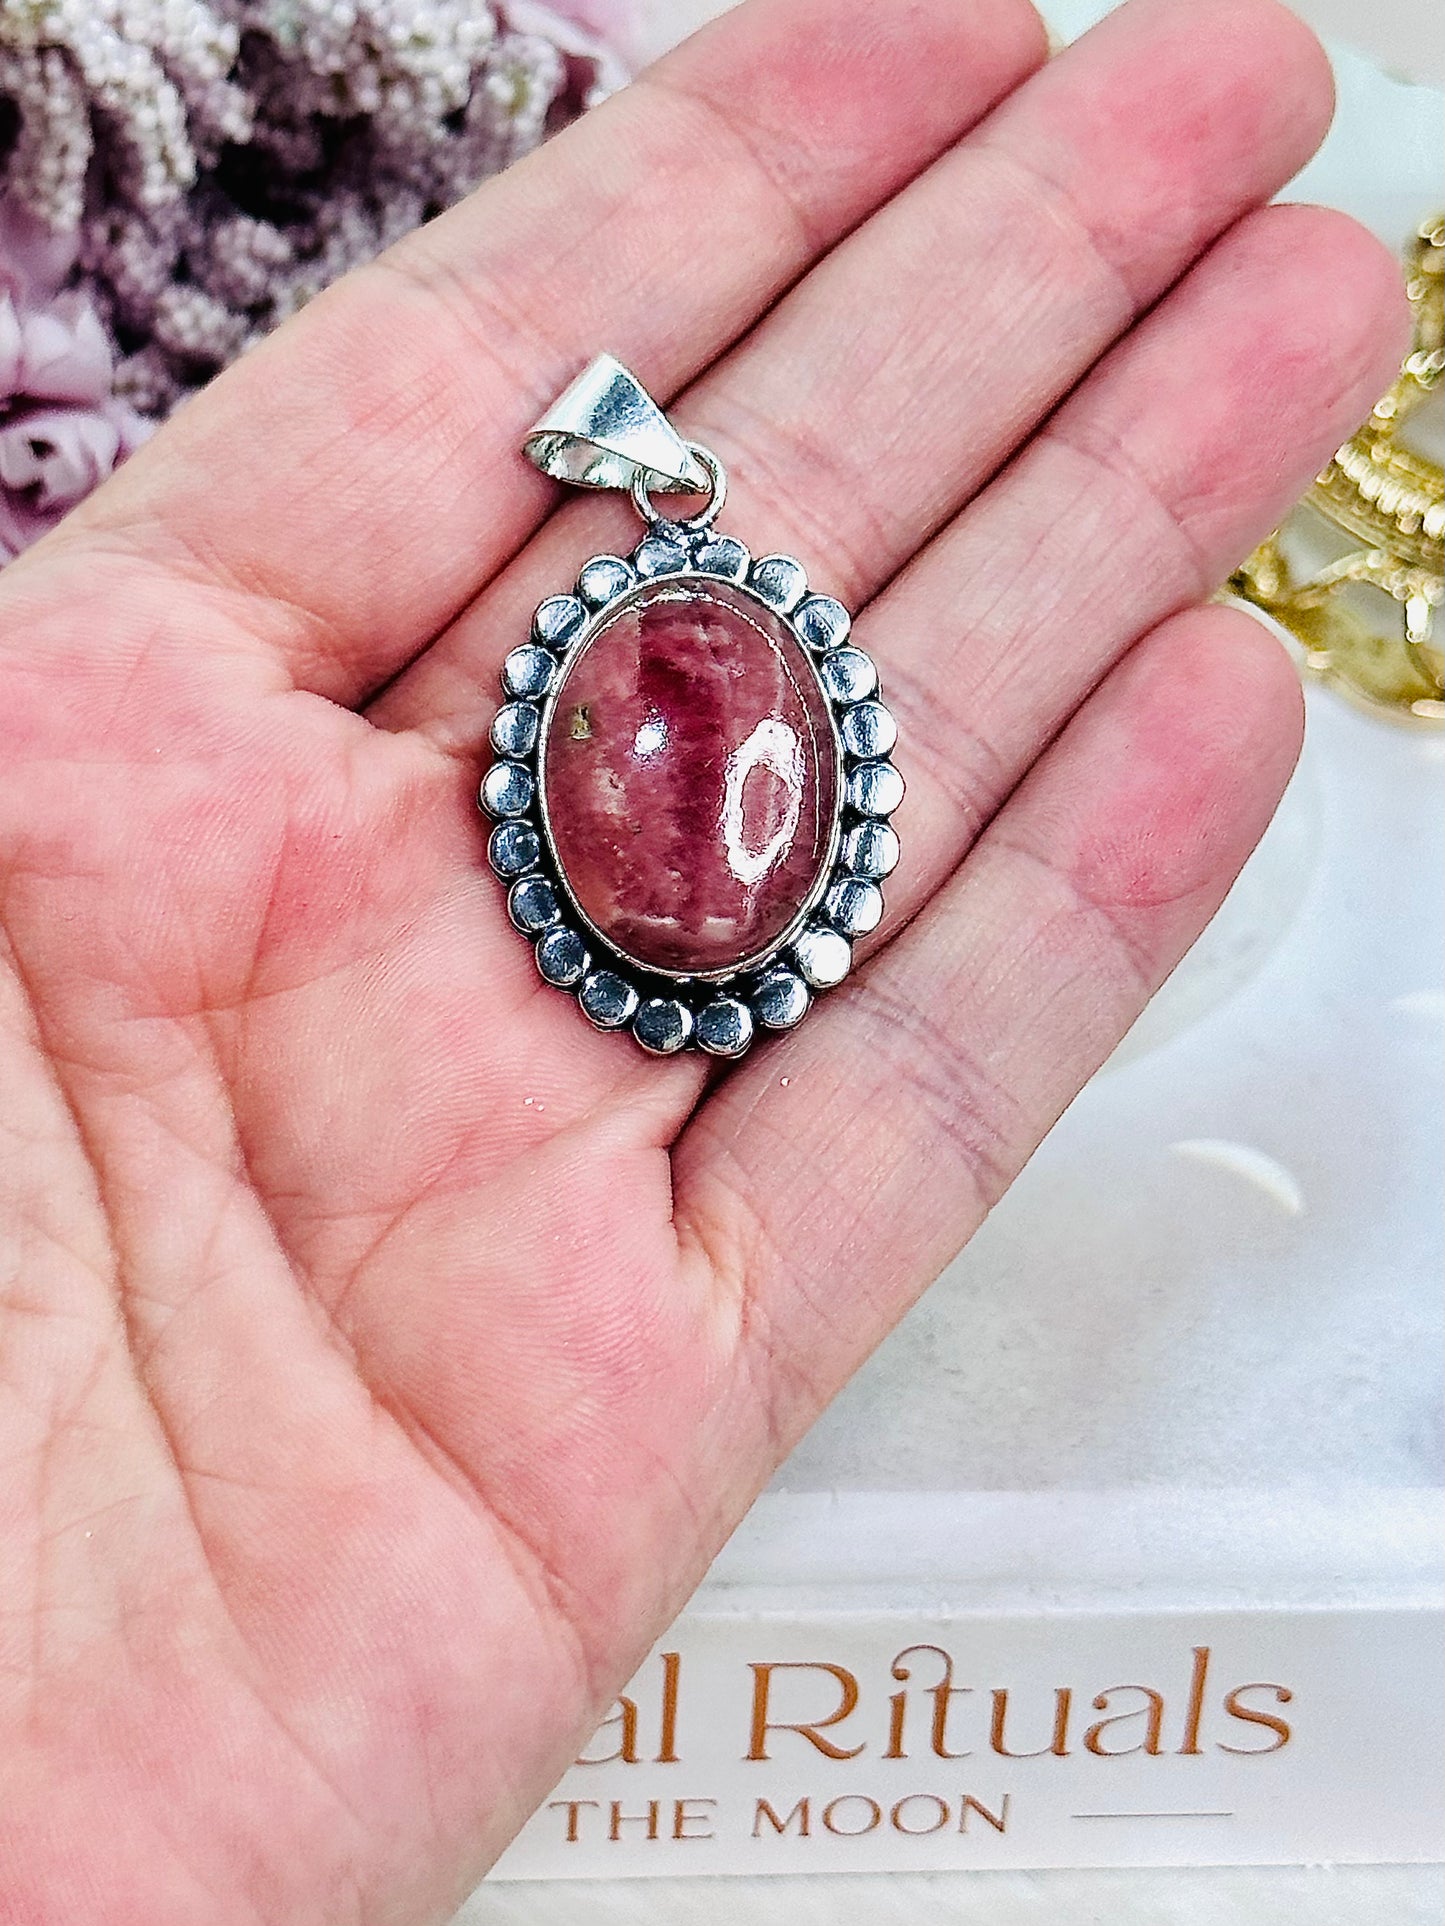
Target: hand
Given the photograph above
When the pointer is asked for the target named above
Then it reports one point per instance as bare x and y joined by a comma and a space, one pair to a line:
383, 1353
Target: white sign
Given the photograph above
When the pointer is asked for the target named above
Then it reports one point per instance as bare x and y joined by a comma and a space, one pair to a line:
889, 1742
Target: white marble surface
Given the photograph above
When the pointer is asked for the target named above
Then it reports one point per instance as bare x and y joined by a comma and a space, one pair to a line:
1221, 1267
1257, 1896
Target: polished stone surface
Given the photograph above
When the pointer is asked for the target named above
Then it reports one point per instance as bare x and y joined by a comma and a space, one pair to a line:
691, 779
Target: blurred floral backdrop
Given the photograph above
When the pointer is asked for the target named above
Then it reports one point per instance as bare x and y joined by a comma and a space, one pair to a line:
177, 176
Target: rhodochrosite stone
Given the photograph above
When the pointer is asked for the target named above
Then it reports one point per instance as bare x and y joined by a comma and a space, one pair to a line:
690, 776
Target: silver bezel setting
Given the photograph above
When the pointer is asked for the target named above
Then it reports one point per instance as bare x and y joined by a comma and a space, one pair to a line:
724, 1012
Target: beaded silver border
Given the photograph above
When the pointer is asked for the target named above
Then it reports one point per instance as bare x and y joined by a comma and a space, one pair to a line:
719, 1014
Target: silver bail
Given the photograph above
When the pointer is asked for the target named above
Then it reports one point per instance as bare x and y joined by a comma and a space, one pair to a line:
606, 430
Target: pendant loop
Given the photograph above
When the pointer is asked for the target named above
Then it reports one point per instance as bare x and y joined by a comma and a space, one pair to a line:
606, 431
635, 714
715, 488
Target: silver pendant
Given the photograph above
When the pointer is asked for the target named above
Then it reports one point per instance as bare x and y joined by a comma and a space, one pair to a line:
693, 771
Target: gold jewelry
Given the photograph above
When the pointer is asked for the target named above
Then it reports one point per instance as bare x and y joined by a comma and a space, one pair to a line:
1383, 504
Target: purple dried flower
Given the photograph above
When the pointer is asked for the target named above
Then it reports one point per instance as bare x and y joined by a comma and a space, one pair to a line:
177, 176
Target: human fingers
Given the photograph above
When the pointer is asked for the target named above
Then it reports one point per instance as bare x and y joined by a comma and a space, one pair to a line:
907, 366
351, 483
1184, 447
829, 1181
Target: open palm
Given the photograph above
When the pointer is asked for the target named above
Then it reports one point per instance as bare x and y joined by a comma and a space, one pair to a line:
383, 1352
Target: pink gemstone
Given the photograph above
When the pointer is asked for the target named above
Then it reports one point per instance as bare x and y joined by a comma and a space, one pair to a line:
690, 778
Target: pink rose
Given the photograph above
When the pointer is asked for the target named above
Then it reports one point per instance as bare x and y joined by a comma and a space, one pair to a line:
598, 32
62, 430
